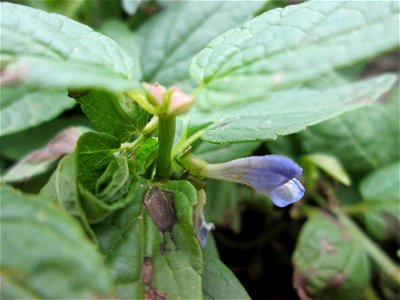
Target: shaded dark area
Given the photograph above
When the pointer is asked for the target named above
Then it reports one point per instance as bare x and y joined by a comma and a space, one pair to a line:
260, 254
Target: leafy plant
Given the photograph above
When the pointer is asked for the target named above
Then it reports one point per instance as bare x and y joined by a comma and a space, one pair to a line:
178, 92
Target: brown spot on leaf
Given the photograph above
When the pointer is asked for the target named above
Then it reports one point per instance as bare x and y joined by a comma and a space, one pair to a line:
151, 293
327, 246
147, 270
12, 76
336, 280
127, 104
159, 204
300, 282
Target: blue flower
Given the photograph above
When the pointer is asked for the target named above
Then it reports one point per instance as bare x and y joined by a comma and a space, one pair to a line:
272, 175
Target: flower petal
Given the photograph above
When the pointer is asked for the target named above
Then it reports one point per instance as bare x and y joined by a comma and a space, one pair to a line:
288, 193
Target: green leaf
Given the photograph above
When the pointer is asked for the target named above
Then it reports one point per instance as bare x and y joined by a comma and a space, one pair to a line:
146, 153
287, 112
286, 47
330, 165
104, 180
121, 33
329, 260
97, 209
219, 154
43, 159
382, 184
62, 187
218, 281
22, 109
51, 257
114, 182
52, 50
380, 191
170, 39
130, 234
349, 137
115, 114
222, 207
94, 152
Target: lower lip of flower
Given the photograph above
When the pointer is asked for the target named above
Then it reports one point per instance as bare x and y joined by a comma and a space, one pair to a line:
288, 193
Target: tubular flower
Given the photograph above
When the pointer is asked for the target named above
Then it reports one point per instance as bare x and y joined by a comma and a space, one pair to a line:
272, 175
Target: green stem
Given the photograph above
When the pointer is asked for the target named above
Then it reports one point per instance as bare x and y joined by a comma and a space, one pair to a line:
184, 143
386, 264
362, 207
166, 135
148, 131
193, 164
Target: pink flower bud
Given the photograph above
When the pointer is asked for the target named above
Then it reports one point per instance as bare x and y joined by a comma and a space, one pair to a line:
156, 91
179, 102
167, 102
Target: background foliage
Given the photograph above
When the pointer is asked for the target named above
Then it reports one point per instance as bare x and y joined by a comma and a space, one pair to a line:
265, 75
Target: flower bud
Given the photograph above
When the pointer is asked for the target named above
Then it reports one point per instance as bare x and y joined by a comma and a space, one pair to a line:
170, 102
180, 102
156, 92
